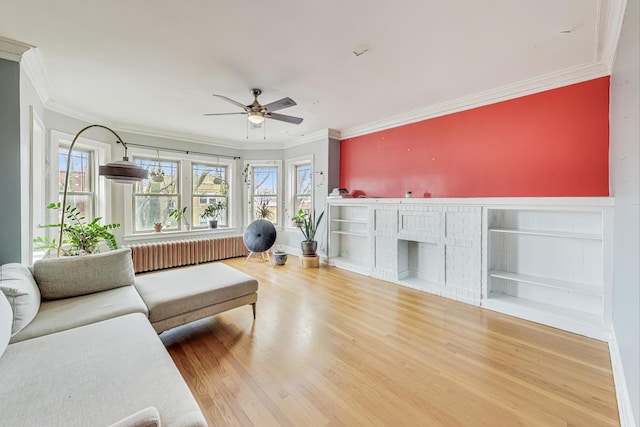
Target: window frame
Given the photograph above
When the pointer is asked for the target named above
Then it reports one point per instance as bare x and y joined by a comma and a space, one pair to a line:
291, 166
223, 224
248, 190
184, 196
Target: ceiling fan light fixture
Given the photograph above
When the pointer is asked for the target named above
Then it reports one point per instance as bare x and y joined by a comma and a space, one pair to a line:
256, 117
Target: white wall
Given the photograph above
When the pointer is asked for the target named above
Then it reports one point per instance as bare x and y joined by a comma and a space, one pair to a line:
625, 187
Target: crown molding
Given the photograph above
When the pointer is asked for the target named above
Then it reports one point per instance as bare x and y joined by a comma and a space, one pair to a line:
34, 68
12, 49
526, 87
323, 134
610, 17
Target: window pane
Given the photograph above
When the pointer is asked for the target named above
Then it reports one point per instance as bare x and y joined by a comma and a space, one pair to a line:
150, 209
265, 207
163, 177
83, 202
265, 180
79, 170
200, 203
304, 203
209, 179
303, 179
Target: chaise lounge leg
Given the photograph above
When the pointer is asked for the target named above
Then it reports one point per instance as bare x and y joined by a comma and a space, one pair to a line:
253, 306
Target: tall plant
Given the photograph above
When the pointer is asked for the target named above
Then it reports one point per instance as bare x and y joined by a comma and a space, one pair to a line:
82, 236
308, 224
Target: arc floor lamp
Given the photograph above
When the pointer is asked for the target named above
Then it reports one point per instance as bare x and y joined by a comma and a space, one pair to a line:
122, 171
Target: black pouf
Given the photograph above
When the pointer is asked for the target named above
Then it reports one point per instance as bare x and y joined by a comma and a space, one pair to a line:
259, 236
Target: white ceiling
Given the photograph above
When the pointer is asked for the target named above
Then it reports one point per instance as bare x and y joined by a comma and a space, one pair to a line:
152, 65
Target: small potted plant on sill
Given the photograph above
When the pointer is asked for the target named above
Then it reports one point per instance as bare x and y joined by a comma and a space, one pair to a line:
157, 227
263, 211
213, 213
279, 256
179, 215
308, 224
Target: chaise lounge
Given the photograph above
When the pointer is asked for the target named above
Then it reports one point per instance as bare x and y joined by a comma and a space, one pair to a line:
79, 344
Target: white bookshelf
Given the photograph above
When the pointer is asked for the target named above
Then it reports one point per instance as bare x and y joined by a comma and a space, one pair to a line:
349, 243
549, 265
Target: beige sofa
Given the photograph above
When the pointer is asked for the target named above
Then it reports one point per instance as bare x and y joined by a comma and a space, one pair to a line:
77, 346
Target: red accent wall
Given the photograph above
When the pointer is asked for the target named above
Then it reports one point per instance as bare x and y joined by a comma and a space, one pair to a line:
553, 143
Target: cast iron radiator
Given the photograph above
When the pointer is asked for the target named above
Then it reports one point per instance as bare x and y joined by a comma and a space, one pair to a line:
159, 255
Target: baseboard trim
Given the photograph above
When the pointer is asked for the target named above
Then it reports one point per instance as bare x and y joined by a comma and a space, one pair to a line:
622, 392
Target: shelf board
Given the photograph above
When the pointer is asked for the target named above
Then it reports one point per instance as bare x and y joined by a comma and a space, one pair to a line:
568, 234
502, 302
350, 221
350, 233
578, 288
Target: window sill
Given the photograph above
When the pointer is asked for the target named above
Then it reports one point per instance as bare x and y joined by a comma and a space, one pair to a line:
176, 235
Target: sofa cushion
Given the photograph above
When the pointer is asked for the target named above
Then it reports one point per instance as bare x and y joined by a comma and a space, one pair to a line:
71, 276
174, 292
22, 293
68, 313
6, 320
94, 375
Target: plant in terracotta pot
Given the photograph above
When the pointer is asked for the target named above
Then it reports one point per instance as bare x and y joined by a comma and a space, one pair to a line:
79, 236
308, 224
213, 213
157, 227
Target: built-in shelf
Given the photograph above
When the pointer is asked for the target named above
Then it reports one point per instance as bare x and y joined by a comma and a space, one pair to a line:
351, 221
572, 235
521, 304
547, 282
350, 233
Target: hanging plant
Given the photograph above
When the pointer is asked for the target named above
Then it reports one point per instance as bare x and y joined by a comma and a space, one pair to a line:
157, 175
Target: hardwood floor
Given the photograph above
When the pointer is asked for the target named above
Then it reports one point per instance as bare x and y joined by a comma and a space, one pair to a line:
330, 347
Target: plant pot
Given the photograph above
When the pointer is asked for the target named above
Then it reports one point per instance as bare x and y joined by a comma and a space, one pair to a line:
213, 223
157, 228
309, 248
280, 258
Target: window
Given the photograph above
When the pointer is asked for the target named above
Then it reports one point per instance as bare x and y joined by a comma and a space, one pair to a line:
156, 196
264, 193
210, 186
302, 187
80, 186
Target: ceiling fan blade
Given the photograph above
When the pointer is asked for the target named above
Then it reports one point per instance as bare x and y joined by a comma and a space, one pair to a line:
284, 118
244, 107
221, 114
280, 104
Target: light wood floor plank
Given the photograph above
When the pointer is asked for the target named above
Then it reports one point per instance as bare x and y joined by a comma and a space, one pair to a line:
334, 348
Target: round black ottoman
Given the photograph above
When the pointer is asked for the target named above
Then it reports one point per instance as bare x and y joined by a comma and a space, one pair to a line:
259, 237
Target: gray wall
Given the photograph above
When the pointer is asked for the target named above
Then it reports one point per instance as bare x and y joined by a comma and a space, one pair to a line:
10, 218
625, 187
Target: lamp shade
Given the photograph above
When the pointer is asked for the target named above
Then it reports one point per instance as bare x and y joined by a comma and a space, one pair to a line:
123, 171
256, 117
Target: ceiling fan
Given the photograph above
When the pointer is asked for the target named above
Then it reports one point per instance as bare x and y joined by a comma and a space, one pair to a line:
256, 113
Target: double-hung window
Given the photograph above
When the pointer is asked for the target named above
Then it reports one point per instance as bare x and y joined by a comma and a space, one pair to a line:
80, 190
264, 193
157, 195
302, 187
210, 186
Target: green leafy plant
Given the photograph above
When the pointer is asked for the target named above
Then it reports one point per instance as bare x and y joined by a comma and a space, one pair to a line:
178, 215
308, 224
213, 211
82, 237
263, 211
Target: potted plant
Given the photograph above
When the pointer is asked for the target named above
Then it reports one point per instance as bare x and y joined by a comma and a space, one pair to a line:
213, 213
79, 236
179, 215
308, 224
279, 256
157, 227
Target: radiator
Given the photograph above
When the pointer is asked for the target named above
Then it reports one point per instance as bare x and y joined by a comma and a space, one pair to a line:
159, 255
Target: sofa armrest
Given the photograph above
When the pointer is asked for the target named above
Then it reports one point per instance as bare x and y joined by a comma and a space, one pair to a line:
147, 417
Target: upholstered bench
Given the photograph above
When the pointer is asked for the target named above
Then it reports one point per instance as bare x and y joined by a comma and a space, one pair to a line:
179, 296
